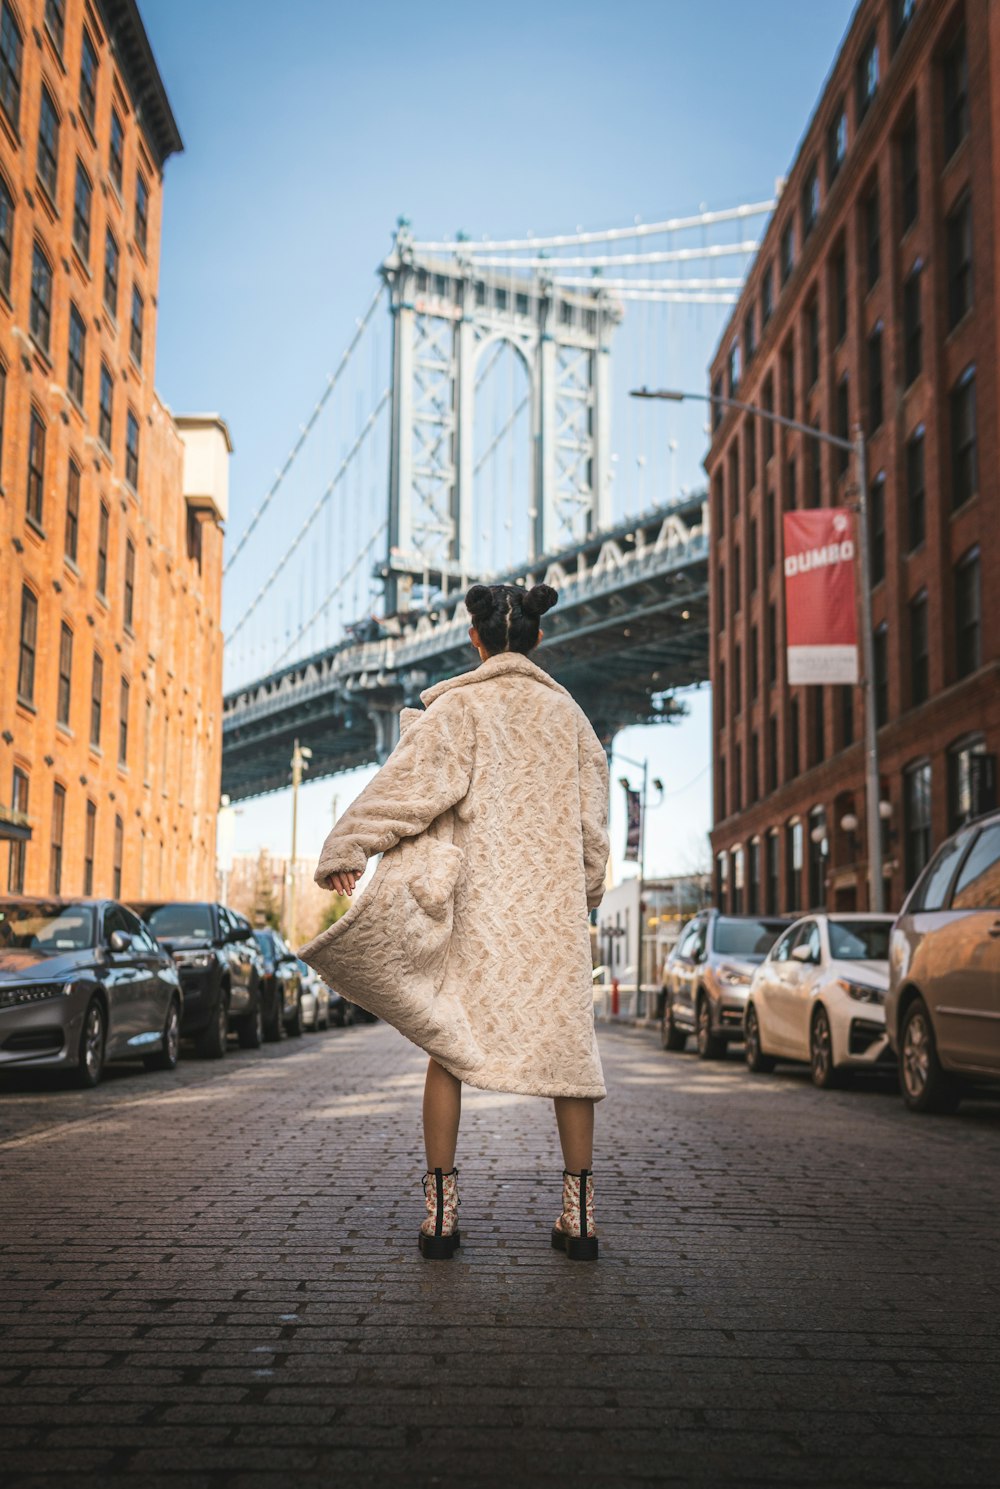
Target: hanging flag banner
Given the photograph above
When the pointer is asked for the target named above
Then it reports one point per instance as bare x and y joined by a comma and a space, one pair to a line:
821, 630
633, 809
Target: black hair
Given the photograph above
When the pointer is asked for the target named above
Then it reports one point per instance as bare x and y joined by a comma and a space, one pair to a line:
506, 616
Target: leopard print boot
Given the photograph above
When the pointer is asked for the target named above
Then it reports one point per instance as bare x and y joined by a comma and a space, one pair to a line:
574, 1232
439, 1234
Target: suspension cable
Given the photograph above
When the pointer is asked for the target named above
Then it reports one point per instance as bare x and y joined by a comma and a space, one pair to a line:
614, 261
303, 530
608, 235
347, 574
306, 429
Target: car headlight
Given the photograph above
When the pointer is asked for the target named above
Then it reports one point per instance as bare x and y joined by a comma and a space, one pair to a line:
734, 976
861, 992
200, 959
22, 993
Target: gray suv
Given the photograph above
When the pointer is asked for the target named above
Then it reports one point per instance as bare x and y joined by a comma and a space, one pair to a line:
707, 978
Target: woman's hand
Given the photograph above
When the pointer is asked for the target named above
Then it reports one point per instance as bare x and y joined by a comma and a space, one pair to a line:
342, 882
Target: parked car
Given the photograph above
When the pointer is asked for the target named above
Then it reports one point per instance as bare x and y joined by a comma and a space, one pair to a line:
315, 998
342, 1013
220, 970
943, 1008
83, 982
707, 977
283, 983
819, 996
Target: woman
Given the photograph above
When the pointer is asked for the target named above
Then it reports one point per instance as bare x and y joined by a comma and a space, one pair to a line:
502, 785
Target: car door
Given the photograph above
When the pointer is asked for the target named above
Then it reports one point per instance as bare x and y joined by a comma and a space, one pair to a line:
123, 982
768, 990
682, 972
788, 993
965, 963
150, 1003
237, 960
800, 1007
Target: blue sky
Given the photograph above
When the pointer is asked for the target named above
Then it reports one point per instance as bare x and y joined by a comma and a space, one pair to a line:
308, 130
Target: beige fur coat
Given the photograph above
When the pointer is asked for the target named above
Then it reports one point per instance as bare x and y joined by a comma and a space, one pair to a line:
472, 938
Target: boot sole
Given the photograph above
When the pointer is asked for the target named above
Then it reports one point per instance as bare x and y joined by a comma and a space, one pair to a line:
439, 1248
577, 1248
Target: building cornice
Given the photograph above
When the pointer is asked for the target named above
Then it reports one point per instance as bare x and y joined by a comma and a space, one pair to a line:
134, 54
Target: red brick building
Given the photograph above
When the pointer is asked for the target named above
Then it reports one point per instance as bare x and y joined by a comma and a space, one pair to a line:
110, 509
872, 299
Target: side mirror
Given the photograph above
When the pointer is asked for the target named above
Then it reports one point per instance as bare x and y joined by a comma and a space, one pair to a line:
801, 954
120, 941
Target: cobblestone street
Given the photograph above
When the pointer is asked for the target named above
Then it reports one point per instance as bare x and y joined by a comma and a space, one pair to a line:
212, 1279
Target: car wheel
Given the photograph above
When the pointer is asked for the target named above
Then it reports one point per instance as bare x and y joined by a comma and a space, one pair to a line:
168, 1054
824, 1072
213, 1041
710, 1046
757, 1062
672, 1037
925, 1085
326, 1020
251, 1029
295, 1024
93, 1038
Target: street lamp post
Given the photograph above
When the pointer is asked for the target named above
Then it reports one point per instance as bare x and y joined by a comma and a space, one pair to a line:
300, 755
856, 447
642, 765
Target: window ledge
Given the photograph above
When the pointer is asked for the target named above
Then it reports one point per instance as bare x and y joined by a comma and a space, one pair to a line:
64, 730
35, 526
96, 750
26, 704
72, 565
102, 600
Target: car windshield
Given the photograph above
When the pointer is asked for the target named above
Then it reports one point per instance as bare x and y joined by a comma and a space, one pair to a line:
749, 939
167, 921
264, 941
47, 928
860, 940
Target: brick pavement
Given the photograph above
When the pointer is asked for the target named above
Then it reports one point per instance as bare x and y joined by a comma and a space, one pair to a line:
211, 1281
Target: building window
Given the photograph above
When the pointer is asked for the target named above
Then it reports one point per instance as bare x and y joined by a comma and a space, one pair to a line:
916, 497
111, 258
6, 236
771, 763
812, 343
96, 689
770, 535
88, 80
72, 532
753, 876
28, 645
836, 145
968, 650
141, 211
56, 838
123, 722
734, 478
106, 407
964, 461
129, 583
791, 485
135, 329
10, 65
913, 329
959, 240
902, 14
41, 299
793, 865
737, 777
818, 696
867, 76
132, 450
772, 644
876, 529
36, 467
754, 663
720, 698
810, 201
846, 714
102, 549
919, 650
843, 423
737, 581
734, 369
771, 874
749, 338
876, 412
720, 590
956, 95
116, 874
89, 842
767, 402
82, 200
717, 408
909, 175
873, 239
794, 751
750, 452
47, 165
18, 848
77, 355
752, 556
719, 505
787, 251
65, 674
817, 857
815, 454
721, 877
55, 22
917, 807
840, 294
723, 789
788, 380
881, 674
766, 296
116, 151
737, 680
961, 765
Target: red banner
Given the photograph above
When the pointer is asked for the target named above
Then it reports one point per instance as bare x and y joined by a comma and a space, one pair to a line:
820, 619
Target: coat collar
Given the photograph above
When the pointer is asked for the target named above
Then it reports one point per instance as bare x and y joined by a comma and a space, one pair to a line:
502, 664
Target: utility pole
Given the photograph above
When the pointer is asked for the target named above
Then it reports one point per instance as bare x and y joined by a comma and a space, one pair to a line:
300, 754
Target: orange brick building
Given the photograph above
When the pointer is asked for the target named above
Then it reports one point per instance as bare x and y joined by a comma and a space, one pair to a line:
872, 299
110, 508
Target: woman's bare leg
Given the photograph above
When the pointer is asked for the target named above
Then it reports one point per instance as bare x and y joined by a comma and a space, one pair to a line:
442, 1114
575, 1120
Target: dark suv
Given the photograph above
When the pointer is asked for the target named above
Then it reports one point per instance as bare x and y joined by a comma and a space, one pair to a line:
283, 985
707, 978
220, 969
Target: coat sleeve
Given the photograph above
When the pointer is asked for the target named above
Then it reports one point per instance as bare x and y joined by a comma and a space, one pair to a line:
593, 811
429, 771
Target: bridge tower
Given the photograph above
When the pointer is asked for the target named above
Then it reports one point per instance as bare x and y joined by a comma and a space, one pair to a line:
446, 313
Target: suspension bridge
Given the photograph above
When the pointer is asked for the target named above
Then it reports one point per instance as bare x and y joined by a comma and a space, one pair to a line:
488, 436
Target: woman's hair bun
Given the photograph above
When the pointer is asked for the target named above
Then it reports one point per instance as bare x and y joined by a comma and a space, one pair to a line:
539, 599
479, 601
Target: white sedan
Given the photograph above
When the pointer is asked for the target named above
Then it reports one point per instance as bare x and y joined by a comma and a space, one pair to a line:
819, 996
315, 999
